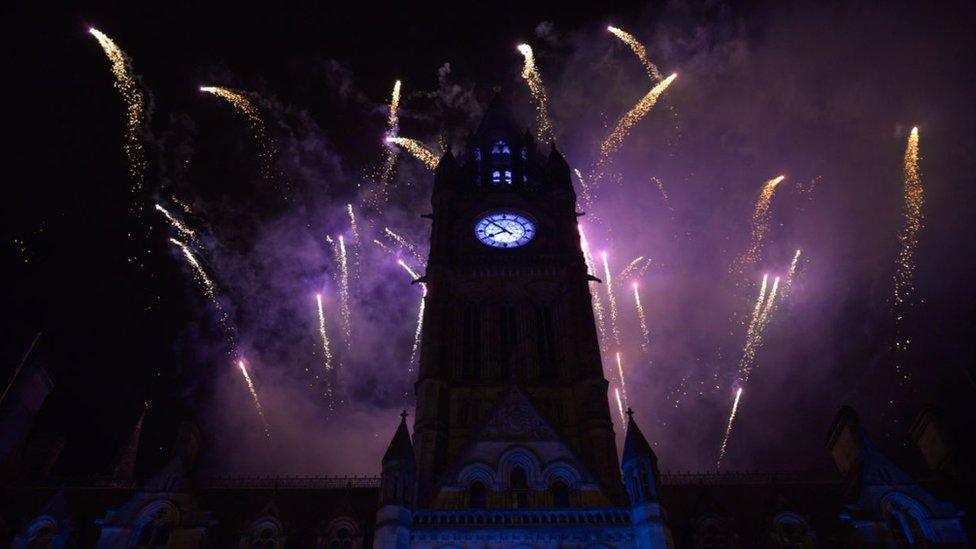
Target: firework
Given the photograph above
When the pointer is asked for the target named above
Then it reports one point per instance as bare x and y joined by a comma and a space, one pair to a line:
245, 105
420, 314
760, 224
620, 405
532, 77
645, 332
627, 121
757, 328
208, 287
644, 268
639, 50
791, 274
356, 243
728, 428
584, 191
392, 128
180, 227
908, 237
327, 352
404, 243
630, 268
344, 309
620, 374
591, 268
611, 299
664, 194
418, 149
254, 397
128, 87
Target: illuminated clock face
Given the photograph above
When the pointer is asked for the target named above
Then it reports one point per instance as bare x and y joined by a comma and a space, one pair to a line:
504, 230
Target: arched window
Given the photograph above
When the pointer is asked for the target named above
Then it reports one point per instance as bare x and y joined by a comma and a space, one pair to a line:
41, 533
907, 520
477, 495
560, 494
501, 163
156, 524
791, 531
519, 484
343, 533
265, 534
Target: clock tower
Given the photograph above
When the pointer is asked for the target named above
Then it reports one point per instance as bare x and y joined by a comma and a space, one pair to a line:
510, 365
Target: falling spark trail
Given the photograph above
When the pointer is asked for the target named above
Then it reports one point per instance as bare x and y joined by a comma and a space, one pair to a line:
392, 128
327, 352
754, 336
181, 227
344, 308
639, 50
254, 396
728, 428
611, 299
244, 105
629, 268
664, 194
356, 242
791, 274
417, 149
584, 191
645, 332
420, 314
627, 121
623, 382
760, 224
594, 293
135, 102
407, 268
644, 268
532, 77
908, 237
208, 287
403, 242
620, 405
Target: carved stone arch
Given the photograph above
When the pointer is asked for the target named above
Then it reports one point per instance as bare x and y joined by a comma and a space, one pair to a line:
791, 530
342, 532
43, 531
481, 472
520, 456
562, 471
265, 532
907, 518
155, 522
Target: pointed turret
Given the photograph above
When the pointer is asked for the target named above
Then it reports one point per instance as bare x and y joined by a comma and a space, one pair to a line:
496, 123
123, 469
641, 479
558, 173
398, 485
400, 448
635, 444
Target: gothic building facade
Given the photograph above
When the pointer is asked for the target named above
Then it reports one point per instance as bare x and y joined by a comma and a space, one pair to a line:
513, 443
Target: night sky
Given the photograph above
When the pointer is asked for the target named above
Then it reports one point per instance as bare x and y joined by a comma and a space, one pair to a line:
823, 93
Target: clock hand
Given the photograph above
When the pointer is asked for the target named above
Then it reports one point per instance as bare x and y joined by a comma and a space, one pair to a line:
500, 227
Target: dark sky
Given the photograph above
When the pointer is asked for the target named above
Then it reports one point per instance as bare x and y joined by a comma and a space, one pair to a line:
816, 92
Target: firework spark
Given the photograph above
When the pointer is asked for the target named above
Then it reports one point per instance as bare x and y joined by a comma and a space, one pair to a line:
760, 224
326, 348
644, 268
404, 243
420, 313
611, 299
627, 121
757, 328
392, 128
594, 293
356, 241
532, 77
630, 268
664, 194
645, 332
620, 405
180, 227
728, 428
418, 149
245, 105
254, 397
791, 274
584, 191
639, 50
345, 311
207, 286
908, 237
620, 375
135, 101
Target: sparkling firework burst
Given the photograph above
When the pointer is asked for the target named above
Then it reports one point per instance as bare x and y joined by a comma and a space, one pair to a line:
356, 241
207, 286
627, 121
345, 310
791, 274
392, 128
180, 227
728, 428
242, 102
403, 243
420, 314
620, 405
760, 224
623, 382
908, 237
584, 191
254, 397
639, 50
135, 101
594, 292
645, 332
532, 77
418, 149
611, 299
629, 268
326, 347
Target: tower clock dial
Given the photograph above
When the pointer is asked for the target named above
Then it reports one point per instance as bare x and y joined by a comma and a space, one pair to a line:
504, 230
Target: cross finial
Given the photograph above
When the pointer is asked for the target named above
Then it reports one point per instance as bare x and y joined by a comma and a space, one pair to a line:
630, 413
404, 415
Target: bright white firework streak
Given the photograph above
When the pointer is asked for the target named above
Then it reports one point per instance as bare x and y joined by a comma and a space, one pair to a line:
594, 292
728, 428
620, 406
254, 397
645, 331
344, 307
623, 382
532, 77
326, 350
611, 299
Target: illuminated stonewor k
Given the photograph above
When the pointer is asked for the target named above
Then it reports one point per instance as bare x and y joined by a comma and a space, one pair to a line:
254, 397
245, 105
418, 149
532, 77
639, 50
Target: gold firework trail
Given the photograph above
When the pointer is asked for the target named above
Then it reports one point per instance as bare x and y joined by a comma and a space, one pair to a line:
404, 243
791, 274
908, 237
664, 194
760, 223
627, 121
356, 242
326, 348
254, 397
611, 299
532, 77
344, 308
245, 105
645, 331
639, 50
594, 292
418, 149
420, 314
183, 205
620, 405
207, 286
629, 268
754, 335
728, 428
623, 382
392, 128
584, 191
180, 227
135, 101
644, 268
